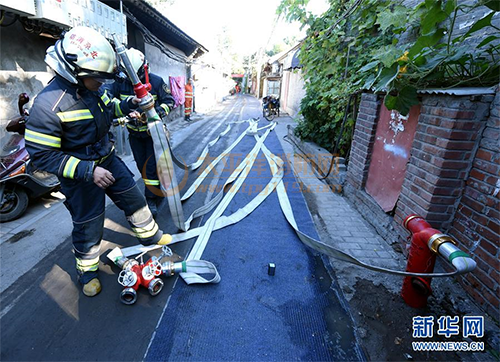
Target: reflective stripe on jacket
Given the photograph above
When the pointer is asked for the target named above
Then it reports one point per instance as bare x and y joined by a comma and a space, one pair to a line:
68, 129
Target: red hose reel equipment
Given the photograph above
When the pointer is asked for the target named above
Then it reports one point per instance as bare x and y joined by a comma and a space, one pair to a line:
135, 274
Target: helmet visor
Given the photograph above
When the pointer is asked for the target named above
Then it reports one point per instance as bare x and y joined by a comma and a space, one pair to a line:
87, 73
104, 81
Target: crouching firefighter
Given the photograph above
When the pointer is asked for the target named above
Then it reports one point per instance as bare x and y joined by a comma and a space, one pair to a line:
68, 135
140, 140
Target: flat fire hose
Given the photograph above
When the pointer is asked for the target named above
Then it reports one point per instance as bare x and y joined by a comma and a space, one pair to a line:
170, 187
204, 153
217, 221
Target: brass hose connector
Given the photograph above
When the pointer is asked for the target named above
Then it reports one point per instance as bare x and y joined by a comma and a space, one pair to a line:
436, 240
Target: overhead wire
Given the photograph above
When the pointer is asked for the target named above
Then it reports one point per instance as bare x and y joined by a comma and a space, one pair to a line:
153, 39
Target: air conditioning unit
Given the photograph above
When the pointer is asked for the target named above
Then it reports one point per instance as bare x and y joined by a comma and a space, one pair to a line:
21, 7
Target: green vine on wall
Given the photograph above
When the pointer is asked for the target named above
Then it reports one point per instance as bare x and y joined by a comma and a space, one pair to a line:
386, 47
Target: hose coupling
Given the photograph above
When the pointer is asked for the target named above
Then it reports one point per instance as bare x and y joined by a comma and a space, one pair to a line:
128, 296
155, 286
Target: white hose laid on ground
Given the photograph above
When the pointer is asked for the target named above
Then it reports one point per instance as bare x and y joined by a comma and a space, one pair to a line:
170, 187
218, 221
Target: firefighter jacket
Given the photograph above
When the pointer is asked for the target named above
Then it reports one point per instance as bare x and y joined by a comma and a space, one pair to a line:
164, 101
67, 133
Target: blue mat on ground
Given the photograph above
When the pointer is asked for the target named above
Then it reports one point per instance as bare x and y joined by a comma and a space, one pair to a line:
250, 315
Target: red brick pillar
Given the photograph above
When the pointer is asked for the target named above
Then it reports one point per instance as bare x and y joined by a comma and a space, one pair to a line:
362, 142
441, 158
476, 225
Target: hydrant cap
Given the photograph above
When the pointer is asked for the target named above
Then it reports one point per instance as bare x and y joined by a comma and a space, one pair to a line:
409, 218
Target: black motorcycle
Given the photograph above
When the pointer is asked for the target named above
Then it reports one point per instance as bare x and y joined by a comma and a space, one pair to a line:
270, 107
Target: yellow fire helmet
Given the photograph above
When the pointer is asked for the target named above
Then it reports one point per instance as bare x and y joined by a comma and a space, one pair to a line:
82, 53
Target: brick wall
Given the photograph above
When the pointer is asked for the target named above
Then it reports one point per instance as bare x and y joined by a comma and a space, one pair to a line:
476, 225
446, 141
452, 180
359, 162
364, 136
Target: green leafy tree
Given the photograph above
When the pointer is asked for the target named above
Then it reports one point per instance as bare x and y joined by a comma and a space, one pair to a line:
276, 49
228, 54
386, 47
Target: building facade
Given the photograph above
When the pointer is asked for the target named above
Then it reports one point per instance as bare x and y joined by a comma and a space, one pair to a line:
25, 37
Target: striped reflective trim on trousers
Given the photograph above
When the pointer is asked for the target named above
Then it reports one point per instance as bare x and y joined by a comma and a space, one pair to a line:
70, 167
146, 232
137, 129
151, 182
73, 116
42, 139
87, 265
165, 108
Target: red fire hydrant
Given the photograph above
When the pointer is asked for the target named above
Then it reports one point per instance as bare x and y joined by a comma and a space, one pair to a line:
420, 260
426, 243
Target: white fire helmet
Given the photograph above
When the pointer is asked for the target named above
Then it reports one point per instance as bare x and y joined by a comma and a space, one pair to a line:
82, 53
136, 58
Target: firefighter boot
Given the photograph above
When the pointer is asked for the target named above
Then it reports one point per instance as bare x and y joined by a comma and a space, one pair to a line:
165, 239
92, 288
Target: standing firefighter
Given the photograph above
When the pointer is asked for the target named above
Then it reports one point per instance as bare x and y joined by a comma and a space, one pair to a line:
188, 104
68, 135
140, 139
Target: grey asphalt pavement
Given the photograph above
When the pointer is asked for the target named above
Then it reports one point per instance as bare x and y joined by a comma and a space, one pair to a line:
44, 315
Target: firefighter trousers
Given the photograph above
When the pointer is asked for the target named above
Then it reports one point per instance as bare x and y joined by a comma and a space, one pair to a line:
86, 204
144, 156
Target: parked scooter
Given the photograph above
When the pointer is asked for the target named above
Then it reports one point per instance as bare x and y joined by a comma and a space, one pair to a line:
19, 179
270, 107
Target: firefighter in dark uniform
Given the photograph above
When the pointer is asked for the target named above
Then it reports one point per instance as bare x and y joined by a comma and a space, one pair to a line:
68, 135
140, 140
